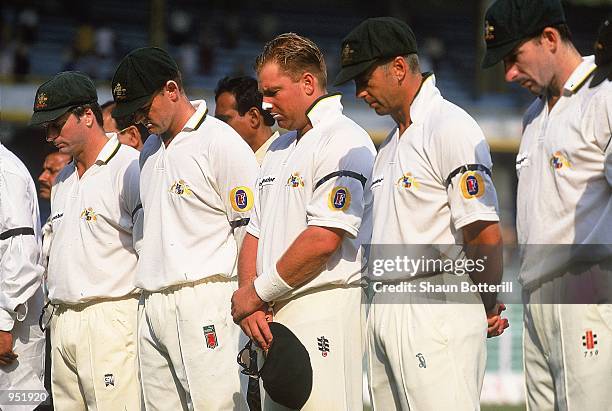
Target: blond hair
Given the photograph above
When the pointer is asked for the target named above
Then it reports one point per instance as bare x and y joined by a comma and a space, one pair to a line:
295, 55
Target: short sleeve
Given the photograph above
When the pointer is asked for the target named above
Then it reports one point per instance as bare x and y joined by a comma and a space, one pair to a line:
465, 166
341, 173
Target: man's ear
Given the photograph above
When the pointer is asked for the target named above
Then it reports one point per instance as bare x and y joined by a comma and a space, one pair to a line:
309, 83
399, 68
133, 137
254, 117
550, 38
173, 90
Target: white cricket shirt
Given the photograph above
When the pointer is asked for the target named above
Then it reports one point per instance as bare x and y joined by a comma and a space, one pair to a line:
197, 194
96, 221
318, 181
564, 168
433, 179
20, 239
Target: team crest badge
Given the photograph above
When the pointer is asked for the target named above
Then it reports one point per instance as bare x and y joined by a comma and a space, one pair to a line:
89, 214
339, 199
489, 31
347, 54
181, 188
472, 185
323, 345
408, 182
210, 335
589, 344
241, 199
41, 101
119, 92
558, 161
295, 180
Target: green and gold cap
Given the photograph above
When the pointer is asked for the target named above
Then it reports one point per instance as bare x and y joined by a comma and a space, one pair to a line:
141, 73
509, 22
374, 39
63, 92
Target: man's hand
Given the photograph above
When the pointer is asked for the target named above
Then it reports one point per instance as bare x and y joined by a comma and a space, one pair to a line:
7, 356
256, 327
245, 302
495, 323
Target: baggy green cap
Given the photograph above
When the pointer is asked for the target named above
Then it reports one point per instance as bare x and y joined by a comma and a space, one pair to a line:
64, 91
141, 73
374, 39
509, 22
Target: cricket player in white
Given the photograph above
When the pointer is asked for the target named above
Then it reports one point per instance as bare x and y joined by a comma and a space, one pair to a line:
303, 252
22, 343
564, 205
197, 178
431, 184
96, 219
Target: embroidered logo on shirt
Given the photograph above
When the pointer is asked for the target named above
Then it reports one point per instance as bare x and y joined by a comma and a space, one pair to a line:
181, 188
589, 342
89, 214
323, 344
241, 199
210, 335
295, 180
339, 199
408, 182
472, 185
558, 161
109, 380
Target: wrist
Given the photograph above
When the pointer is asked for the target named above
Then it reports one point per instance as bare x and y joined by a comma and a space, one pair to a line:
270, 286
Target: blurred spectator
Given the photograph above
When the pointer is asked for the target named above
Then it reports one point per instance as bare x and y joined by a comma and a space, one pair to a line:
27, 25
106, 43
433, 48
206, 51
179, 27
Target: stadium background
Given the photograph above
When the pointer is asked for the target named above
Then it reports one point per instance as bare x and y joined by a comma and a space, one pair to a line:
214, 38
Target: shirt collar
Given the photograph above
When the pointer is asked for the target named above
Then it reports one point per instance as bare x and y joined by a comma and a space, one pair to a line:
580, 75
109, 150
197, 118
324, 107
426, 95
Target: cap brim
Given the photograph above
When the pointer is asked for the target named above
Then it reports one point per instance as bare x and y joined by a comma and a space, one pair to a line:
496, 54
128, 108
348, 73
602, 73
40, 117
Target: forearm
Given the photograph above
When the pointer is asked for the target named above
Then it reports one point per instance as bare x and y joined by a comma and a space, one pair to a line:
247, 260
305, 258
484, 242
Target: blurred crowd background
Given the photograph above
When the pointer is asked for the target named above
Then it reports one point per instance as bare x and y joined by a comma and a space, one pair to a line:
214, 38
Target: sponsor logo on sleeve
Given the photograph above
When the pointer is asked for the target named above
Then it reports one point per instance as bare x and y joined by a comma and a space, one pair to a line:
339, 199
241, 199
210, 335
472, 185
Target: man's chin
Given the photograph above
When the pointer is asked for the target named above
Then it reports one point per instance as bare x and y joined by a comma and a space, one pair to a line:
44, 193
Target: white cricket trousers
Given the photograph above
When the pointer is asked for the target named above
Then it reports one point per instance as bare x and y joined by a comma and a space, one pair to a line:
424, 356
328, 321
94, 356
188, 345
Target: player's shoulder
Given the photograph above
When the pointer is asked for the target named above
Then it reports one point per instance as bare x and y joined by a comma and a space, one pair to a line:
11, 165
450, 124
